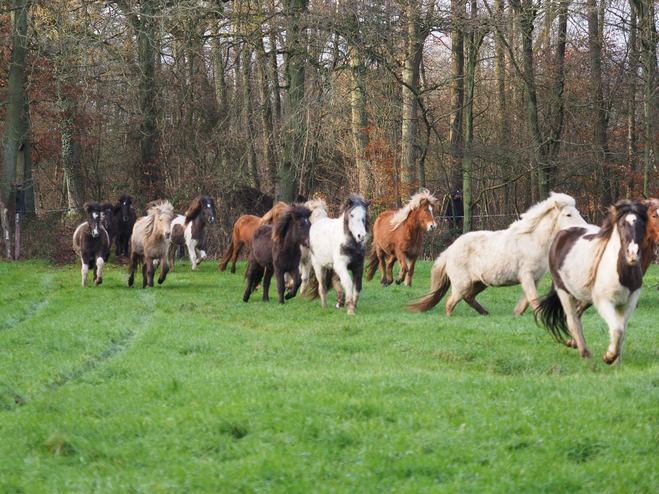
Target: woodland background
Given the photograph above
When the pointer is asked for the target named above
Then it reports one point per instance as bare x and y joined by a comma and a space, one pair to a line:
248, 101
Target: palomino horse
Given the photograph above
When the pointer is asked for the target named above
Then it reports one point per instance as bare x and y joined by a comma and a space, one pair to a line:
242, 234
92, 243
150, 242
598, 266
398, 235
318, 209
338, 246
276, 250
517, 255
189, 229
124, 217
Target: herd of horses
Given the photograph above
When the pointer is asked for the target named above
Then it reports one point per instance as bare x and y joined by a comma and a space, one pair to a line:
590, 265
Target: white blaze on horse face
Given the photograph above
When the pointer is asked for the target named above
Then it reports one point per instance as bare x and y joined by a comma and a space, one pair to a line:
357, 224
433, 225
633, 249
95, 232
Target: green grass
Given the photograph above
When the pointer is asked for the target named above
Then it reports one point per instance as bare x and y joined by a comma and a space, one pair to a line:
185, 388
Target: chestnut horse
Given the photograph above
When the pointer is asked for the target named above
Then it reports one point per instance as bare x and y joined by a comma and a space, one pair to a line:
242, 234
398, 236
276, 250
150, 242
651, 237
92, 243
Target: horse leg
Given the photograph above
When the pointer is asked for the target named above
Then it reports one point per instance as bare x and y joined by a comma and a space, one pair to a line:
342, 271
266, 284
171, 253
470, 297
382, 264
150, 271
357, 275
84, 271
305, 271
569, 304
192, 252
98, 279
530, 296
133, 264
322, 289
402, 261
410, 271
163, 272
390, 269
457, 293
253, 275
201, 255
340, 294
237, 247
297, 281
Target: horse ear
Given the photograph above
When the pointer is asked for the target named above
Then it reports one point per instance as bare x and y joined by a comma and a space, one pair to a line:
557, 205
368, 203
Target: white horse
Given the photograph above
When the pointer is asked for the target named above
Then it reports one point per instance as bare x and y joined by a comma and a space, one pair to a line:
517, 255
318, 209
339, 246
599, 266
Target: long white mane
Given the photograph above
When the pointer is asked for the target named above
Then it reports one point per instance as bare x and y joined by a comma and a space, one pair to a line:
415, 202
530, 220
318, 208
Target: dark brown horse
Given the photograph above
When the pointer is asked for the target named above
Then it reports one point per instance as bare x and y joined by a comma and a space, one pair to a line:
124, 218
242, 234
92, 243
107, 217
276, 250
398, 236
150, 242
189, 229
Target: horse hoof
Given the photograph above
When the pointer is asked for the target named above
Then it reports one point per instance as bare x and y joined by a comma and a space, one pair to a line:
609, 359
571, 343
195, 268
398, 282
351, 312
585, 355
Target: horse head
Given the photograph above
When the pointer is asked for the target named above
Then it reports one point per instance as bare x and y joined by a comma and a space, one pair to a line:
106, 215
93, 210
425, 214
653, 219
163, 214
630, 218
355, 217
202, 207
568, 214
293, 223
125, 202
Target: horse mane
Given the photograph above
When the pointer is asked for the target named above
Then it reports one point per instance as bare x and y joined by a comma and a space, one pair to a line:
271, 216
92, 206
117, 205
417, 200
107, 205
316, 203
653, 205
616, 212
157, 208
196, 206
288, 215
529, 220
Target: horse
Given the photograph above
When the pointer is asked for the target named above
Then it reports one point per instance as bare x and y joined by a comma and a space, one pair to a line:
107, 217
318, 209
398, 236
598, 266
651, 237
276, 250
242, 234
508, 257
338, 248
124, 217
149, 242
188, 229
92, 243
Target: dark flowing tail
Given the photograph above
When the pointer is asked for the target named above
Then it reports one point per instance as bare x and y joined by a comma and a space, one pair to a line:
227, 256
439, 285
373, 263
551, 315
312, 292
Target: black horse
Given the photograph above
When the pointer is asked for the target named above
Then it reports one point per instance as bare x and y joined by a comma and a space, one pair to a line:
276, 250
124, 218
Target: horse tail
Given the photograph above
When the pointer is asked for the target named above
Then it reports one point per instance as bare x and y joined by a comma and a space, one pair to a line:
551, 315
373, 263
227, 256
439, 285
312, 292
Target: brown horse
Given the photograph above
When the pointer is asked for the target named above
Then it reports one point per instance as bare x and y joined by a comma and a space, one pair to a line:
398, 236
276, 250
651, 237
242, 233
150, 241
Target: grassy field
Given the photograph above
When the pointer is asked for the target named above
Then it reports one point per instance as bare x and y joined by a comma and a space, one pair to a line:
185, 388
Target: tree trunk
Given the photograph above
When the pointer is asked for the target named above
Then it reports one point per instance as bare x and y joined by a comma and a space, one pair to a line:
15, 131
294, 124
631, 102
456, 136
248, 119
500, 74
266, 119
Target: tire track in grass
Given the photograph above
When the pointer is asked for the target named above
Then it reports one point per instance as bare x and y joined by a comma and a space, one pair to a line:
33, 308
116, 346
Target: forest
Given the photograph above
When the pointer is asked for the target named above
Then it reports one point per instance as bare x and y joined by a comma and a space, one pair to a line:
241, 100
